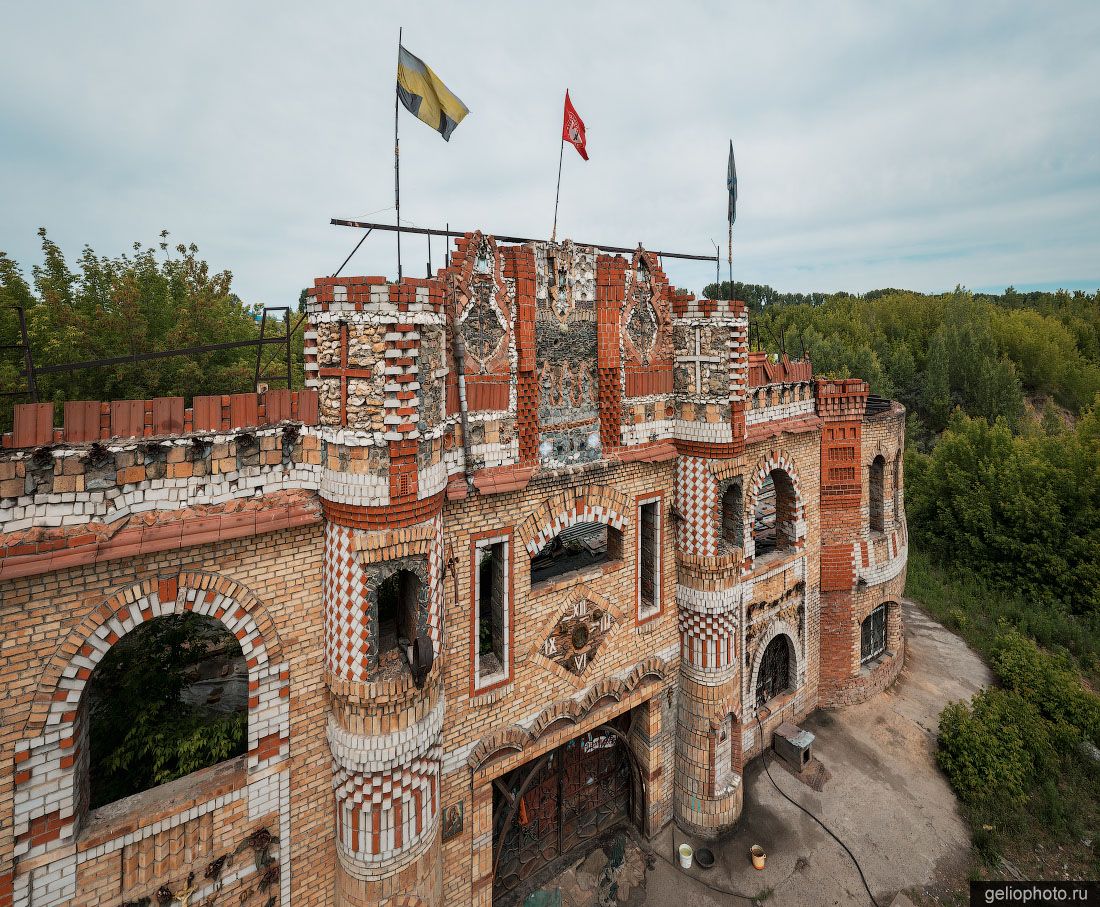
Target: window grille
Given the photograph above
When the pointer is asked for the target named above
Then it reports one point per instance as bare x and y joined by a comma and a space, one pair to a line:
775, 670
873, 635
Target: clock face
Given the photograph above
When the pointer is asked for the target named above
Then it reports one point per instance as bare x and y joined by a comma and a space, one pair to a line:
577, 635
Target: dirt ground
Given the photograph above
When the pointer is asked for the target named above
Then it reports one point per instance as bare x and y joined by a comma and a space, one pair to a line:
884, 798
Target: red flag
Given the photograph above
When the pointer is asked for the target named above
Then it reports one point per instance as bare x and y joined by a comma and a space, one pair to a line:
572, 129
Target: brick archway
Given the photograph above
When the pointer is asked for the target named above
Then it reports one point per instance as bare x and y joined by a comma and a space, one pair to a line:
587, 504
777, 628
51, 757
784, 462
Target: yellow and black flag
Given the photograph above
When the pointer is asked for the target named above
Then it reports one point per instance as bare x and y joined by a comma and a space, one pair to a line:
426, 97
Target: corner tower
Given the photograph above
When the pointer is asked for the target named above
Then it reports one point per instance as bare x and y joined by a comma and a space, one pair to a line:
375, 353
710, 384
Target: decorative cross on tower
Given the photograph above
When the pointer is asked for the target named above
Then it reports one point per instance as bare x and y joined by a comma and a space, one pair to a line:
343, 372
699, 360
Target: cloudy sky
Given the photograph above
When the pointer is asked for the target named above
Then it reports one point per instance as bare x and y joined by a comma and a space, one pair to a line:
878, 144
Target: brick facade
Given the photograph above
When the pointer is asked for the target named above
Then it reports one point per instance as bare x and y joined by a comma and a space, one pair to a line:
371, 541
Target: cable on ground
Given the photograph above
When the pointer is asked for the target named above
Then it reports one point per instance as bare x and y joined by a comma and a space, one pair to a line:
829, 831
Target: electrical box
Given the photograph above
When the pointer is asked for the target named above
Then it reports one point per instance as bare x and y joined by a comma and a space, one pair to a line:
793, 745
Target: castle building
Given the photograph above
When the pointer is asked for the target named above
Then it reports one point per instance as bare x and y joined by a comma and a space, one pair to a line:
541, 549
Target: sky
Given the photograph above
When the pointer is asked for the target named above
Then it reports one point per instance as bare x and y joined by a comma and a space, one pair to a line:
902, 144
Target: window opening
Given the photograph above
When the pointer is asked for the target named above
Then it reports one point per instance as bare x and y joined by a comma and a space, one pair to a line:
650, 555
576, 548
397, 607
876, 477
873, 635
774, 677
168, 699
733, 517
492, 603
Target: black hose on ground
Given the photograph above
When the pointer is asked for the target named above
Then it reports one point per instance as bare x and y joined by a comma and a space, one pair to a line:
847, 850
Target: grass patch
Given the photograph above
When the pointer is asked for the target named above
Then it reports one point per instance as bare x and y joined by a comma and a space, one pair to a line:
981, 612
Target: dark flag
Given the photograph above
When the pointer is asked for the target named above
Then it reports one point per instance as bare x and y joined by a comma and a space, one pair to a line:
731, 184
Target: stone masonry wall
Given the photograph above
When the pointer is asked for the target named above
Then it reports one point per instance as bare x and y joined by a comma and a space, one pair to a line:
541, 691
39, 612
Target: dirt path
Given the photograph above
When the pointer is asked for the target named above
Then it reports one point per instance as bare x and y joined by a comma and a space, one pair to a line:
885, 798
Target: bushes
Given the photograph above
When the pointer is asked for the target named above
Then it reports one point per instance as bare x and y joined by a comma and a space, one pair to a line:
1021, 511
1050, 683
994, 748
1014, 755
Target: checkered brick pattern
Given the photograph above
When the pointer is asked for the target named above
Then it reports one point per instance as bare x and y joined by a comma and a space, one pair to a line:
347, 621
739, 358
380, 815
696, 499
436, 579
708, 641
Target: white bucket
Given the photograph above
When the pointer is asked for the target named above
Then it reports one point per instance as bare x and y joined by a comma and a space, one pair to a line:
686, 853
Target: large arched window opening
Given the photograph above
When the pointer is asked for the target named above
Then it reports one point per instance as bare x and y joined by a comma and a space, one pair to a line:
732, 516
168, 699
576, 549
876, 479
774, 515
398, 603
774, 677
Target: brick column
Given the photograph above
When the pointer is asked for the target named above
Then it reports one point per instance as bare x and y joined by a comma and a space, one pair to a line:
384, 729
708, 791
841, 405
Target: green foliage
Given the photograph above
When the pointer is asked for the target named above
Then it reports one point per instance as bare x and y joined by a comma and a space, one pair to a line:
1050, 682
994, 748
1014, 754
149, 300
982, 612
937, 352
142, 732
1021, 510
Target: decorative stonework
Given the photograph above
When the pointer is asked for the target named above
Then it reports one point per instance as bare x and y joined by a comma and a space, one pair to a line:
589, 387
53, 748
575, 637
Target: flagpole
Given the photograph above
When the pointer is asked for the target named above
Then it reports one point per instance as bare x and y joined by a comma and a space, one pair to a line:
729, 259
557, 193
397, 158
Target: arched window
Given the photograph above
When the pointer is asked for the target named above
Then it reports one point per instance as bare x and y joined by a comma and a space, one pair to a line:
876, 477
774, 676
733, 517
398, 601
168, 699
873, 635
576, 548
774, 517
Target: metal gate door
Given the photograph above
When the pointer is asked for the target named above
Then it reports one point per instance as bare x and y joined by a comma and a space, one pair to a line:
544, 810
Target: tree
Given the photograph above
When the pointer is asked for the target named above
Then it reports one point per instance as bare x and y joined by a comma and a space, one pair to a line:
148, 300
143, 733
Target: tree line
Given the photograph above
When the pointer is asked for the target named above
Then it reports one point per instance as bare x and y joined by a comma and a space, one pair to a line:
153, 298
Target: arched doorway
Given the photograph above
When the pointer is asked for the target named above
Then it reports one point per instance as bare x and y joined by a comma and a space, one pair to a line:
556, 805
774, 676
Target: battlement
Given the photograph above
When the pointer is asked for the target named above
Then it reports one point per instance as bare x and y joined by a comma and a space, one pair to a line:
841, 399
87, 422
763, 370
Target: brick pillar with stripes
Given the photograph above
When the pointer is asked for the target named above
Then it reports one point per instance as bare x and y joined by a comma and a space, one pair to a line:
375, 352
